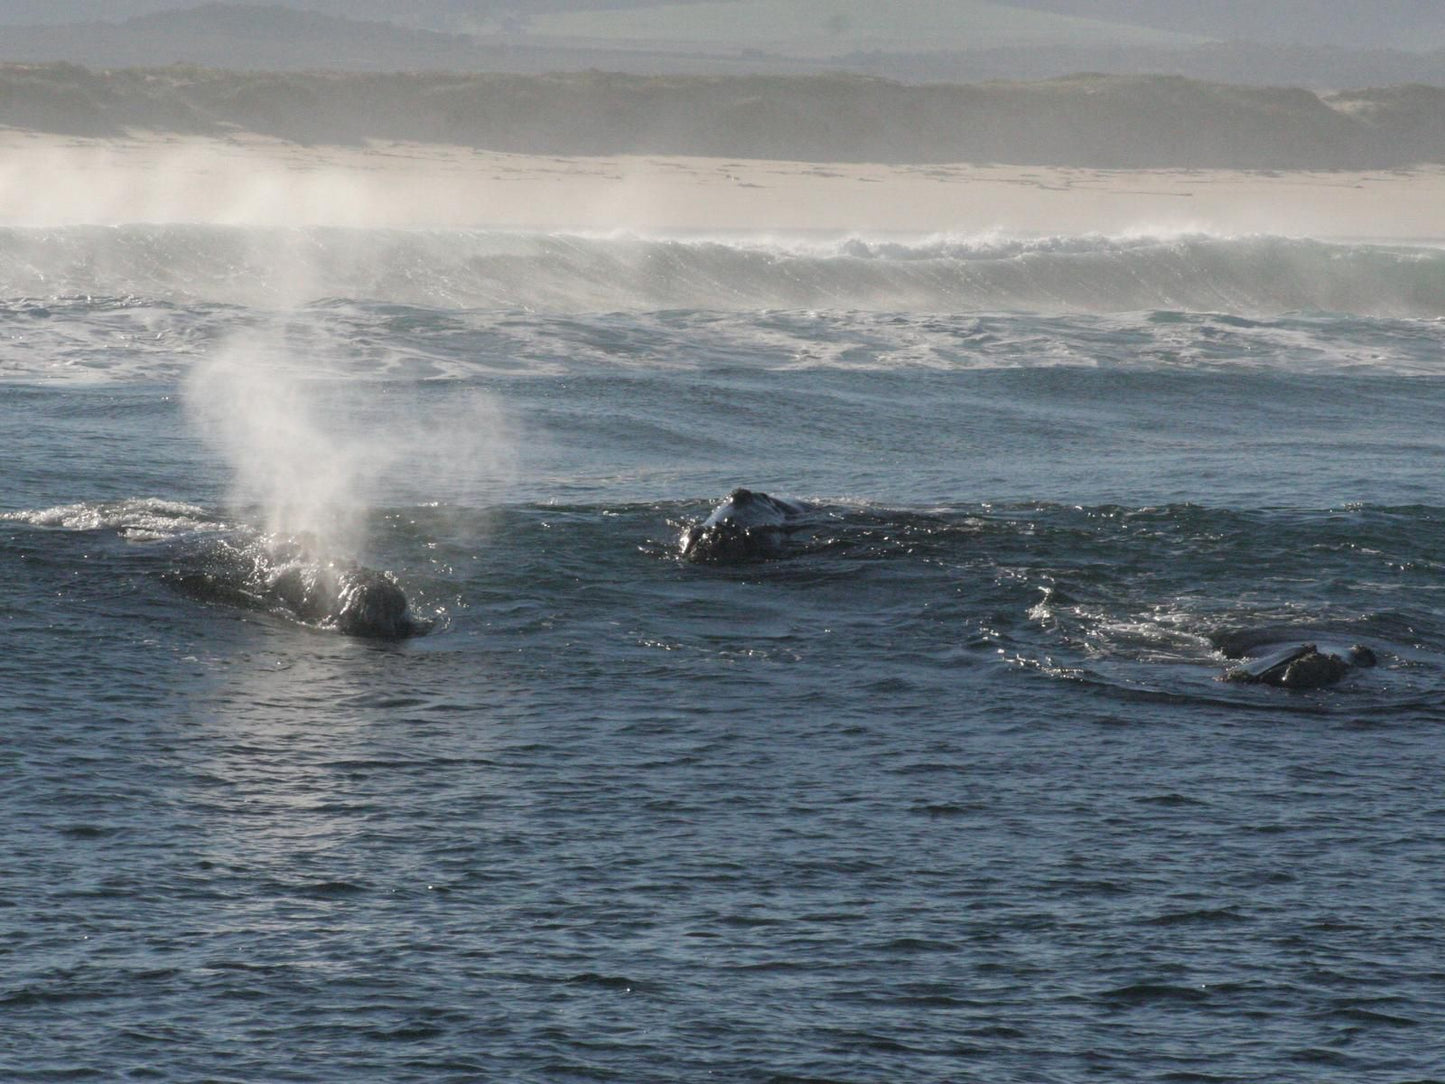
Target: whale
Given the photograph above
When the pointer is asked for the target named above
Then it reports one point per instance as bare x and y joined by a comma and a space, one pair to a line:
353, 599
746, 526
344, 596
1284, 658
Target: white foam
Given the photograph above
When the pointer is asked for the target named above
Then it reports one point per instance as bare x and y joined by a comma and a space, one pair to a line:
479, 269
138, 518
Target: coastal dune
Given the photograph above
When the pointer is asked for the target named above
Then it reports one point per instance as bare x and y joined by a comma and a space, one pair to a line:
599, 151
246, 179
1092, 121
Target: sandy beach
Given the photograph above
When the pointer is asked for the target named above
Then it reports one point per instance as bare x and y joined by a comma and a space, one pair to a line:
249, 180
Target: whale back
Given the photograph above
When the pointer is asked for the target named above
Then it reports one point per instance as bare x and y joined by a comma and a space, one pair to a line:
345, 596
1290, 665
749, 508
747, 525
369, 603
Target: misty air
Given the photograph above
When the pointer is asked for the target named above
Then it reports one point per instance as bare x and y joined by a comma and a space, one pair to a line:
759, 540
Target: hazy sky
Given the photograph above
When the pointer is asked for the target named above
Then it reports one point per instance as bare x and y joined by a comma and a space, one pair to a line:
1406, 24
1411, 24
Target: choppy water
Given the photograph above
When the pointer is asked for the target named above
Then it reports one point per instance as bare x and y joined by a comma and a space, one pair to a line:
952, 793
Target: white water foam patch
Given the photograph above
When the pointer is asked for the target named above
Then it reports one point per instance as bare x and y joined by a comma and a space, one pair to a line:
281, 268
863, 341
139, 518
362, 345
87, 340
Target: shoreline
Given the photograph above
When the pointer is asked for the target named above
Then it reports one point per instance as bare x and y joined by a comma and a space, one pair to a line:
50, 180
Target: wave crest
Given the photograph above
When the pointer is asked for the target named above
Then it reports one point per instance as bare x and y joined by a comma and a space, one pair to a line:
278, 268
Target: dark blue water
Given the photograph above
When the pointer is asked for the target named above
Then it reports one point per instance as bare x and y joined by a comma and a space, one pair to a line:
952, 791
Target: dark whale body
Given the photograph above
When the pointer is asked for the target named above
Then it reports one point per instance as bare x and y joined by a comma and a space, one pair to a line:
1280, 657
747, 526
347, 597
355, 600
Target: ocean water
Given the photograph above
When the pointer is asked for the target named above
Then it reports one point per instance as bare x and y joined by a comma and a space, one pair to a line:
950, 791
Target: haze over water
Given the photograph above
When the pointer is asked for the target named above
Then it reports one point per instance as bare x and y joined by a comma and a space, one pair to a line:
950, 791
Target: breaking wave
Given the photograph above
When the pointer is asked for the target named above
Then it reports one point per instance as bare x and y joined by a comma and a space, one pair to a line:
279, 268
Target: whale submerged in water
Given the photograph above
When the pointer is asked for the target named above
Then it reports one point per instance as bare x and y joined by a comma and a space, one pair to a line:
355, 600
214, 561
1281, 657
747, 526
348, 597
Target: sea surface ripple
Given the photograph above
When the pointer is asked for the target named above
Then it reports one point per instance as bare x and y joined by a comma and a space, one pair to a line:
952, 790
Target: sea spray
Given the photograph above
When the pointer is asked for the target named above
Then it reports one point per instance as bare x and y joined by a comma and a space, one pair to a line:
278, 270
305, 475
313, 447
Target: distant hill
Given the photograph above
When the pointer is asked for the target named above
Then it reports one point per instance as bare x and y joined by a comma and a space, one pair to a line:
1355, 24
1412, 25
1324, 68
909, 40
240, 36
830, 28
1092, 121
447, 15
